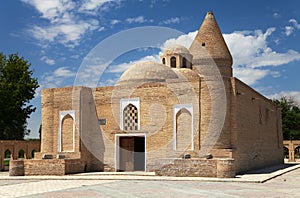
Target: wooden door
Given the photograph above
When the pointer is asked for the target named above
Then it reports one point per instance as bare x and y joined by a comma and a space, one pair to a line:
126, 159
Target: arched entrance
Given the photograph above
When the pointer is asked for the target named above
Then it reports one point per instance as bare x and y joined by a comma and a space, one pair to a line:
6, 159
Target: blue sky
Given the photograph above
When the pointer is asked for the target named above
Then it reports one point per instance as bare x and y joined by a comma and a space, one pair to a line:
56, 36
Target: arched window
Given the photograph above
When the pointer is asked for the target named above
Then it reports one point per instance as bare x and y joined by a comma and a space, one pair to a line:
183, 62
7, 153
21, 153
297, 152
286, 152
130, 118
32, 153
6, 159
164, 61
173, 62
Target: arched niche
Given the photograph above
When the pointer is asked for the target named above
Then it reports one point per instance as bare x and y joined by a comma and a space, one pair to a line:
183, 130
66, 133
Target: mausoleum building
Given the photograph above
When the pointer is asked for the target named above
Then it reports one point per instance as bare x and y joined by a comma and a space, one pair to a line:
184, 116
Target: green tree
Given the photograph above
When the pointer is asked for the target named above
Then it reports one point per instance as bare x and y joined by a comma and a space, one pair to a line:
290, 114
17, 88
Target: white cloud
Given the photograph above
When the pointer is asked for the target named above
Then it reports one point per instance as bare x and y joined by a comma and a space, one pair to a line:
139, 19
114, 22
68, 34
185, 40
63, 72
251, 52
90, 5
101, 29
66, 24
171, 20
276, 15
57, 78
288, 30
52, 10
47, 60
295, 23
250, 75
293, 94
275, 74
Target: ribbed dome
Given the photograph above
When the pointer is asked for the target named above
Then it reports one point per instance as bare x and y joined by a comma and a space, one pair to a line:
148, 72
209, 43
176, 49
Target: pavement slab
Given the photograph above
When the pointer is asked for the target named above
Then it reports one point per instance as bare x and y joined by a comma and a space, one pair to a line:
280, 181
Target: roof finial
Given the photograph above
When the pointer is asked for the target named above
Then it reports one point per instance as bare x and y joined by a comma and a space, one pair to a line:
210, 12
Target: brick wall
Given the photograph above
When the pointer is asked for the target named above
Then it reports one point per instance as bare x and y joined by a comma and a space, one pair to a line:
53, 166
156, 114
256, 127
44, 167
16, 168
74, 166
222, 168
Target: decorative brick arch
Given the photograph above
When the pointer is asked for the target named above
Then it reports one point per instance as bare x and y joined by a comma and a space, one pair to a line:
292, 145
15, 146
21, 153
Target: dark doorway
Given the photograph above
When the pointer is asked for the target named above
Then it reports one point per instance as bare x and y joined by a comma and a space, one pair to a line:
139, 153
132, 153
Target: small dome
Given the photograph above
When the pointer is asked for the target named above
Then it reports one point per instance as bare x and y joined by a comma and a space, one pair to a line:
148, 72
176, 49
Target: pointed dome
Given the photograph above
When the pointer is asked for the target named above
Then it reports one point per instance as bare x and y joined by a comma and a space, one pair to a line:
210, 42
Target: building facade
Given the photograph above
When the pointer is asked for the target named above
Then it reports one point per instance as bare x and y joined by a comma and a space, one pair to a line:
185, 116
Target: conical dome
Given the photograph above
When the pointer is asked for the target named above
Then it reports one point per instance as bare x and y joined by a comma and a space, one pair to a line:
209, 43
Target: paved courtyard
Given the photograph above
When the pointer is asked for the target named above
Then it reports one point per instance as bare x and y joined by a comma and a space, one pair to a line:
286, 185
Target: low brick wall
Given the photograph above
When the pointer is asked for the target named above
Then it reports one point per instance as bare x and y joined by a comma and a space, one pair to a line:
53, 166
222, 168
16, 168
44, 167
225, 168
73, 166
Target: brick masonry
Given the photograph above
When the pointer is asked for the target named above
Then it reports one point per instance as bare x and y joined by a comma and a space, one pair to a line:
53, 166
221, 168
